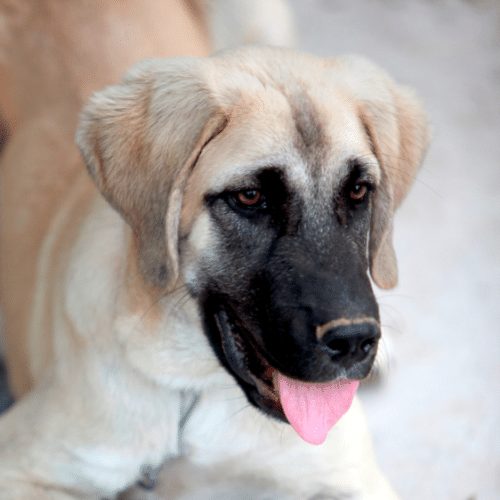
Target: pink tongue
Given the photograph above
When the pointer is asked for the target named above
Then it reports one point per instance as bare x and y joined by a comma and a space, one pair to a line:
313, 409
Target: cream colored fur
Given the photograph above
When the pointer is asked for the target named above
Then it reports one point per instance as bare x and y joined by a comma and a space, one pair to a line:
111, 355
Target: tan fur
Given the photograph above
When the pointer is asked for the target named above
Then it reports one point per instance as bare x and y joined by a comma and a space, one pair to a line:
41, 93
100, 335
121, 148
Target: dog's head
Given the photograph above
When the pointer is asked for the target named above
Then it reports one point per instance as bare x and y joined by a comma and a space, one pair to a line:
266, 181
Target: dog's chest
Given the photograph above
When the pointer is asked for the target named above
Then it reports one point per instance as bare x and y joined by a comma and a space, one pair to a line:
224, 432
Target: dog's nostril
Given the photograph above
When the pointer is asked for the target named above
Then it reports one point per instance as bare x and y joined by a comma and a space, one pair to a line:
367, 345
338, 347
354, 341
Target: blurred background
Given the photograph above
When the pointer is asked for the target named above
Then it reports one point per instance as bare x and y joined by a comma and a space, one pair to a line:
436, 416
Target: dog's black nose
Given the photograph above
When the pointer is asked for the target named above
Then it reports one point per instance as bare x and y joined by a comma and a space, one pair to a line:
353, 342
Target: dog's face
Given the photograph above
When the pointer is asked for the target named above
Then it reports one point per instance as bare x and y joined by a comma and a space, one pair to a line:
266, 182
274, 239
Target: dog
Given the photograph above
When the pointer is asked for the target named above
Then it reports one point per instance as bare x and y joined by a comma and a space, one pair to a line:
207, 284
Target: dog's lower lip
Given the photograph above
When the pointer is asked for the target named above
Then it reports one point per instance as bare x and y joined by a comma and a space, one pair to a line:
237, 357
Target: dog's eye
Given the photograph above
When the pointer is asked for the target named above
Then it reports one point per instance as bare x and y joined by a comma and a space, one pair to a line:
251, 198
247, 202
358, 192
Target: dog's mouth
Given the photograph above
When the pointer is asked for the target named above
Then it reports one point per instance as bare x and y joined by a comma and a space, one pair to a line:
311, 408
248, 365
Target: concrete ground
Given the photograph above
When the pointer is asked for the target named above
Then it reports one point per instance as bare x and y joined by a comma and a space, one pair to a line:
436, 420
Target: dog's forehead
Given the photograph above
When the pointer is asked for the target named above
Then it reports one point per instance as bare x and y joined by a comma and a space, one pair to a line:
308, 130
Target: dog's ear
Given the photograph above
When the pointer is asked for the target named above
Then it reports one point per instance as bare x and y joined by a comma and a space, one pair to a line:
397, 130
140, 139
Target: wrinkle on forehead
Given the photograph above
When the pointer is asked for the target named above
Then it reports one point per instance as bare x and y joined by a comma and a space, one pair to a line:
311, 139
328, 134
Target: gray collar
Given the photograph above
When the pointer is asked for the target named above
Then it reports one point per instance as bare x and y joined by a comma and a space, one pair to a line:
149, 473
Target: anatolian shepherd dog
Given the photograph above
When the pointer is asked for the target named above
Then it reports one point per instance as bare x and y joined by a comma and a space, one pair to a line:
214, 288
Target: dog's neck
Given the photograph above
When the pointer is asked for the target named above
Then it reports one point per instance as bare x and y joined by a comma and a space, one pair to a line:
161, 330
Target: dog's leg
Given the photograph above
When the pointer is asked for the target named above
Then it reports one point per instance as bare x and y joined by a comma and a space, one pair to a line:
182, 480
85, 436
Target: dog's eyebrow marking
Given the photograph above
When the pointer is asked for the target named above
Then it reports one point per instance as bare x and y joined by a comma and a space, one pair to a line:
322, 329
254, 177
357, 169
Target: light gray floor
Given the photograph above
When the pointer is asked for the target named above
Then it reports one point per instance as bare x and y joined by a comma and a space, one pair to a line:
436, 422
